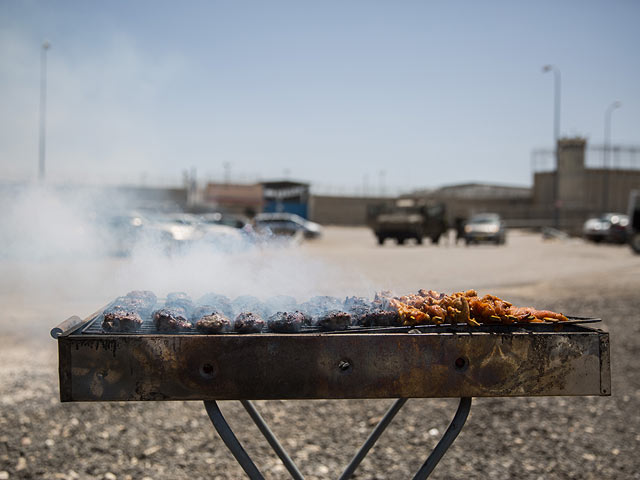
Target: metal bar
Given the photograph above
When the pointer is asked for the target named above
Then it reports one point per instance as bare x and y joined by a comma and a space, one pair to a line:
69, 324
375, 434
447, 439
271, 438
231, 441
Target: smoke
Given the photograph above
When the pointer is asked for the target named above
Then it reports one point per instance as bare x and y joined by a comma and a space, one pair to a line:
85, 247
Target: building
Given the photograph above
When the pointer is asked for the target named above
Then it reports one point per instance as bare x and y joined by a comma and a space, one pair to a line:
286, 196
586, 188
239, 199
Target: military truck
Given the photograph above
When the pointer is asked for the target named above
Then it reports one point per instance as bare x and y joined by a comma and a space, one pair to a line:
407, 218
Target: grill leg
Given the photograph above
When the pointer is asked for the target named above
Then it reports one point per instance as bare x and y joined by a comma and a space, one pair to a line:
447, 439
231, 441
373, 437
273, 441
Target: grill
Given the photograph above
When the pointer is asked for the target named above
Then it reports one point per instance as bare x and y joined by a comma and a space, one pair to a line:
563, 358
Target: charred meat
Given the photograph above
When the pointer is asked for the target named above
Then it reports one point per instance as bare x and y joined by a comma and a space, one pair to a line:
376, 317
220, 302
171, 320
286, 322
320, 305
280, 303
249, 303
213, 323
248, 322
335, 320
119, 319
126, 313
180, 301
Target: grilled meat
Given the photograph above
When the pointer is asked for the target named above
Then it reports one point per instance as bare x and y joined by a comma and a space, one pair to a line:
248, 303
248, 322
213, 323
121, 319
142, 301
171, 320
335, 320
280, 303
286, 322
180, 301
220, 302
126, 313
429, 307
320, 305
376, 317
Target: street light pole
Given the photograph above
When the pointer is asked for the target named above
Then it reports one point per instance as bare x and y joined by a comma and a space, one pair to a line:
607, 147
556, 136
43, 108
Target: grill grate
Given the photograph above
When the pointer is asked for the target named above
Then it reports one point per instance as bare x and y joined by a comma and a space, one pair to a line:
94, 327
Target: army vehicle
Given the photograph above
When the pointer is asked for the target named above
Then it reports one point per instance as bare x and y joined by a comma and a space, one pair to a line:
407, 218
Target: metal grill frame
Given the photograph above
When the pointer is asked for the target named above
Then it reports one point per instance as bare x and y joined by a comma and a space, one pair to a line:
491, 361
451, 361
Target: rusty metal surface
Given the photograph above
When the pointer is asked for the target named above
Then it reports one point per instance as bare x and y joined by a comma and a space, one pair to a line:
571, 360
67, 326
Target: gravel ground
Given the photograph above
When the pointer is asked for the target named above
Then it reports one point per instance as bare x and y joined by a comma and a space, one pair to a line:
524, 438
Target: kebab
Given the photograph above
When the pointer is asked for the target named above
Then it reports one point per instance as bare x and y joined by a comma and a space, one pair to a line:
126, 313
430, 307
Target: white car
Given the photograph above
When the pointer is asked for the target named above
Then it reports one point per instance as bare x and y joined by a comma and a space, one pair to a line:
287, 224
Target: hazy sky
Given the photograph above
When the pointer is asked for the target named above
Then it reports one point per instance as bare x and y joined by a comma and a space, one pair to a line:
332, 92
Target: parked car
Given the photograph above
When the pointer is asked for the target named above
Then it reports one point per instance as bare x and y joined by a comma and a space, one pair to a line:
610, 227
219, 218
286, 224
633, 228
485, 227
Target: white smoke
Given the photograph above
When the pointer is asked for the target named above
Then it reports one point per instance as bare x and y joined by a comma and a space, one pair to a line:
60, 243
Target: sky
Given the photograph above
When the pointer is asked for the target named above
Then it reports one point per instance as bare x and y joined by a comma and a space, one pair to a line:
352, 96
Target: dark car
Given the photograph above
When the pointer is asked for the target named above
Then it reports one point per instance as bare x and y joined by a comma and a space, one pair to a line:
485, 227
633, 229
286, 224
610, 227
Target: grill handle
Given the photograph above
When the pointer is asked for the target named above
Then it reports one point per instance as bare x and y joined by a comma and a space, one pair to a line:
66, 326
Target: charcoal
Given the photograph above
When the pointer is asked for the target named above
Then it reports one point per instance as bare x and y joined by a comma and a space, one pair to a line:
121, 319
249, 303
171, 320
213, 323
335, 320
248, 322
280, 303
286, 322
220, 302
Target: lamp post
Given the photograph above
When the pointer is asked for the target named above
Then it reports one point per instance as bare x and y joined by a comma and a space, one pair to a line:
607, 147
43, 108
556, 136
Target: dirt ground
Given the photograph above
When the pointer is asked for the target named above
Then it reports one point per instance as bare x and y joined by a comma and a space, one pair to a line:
504, 438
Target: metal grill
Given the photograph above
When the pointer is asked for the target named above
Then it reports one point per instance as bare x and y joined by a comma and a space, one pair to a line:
94, 327
561, 358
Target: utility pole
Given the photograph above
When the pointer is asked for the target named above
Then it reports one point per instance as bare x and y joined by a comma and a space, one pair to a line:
556, 136
43, 109
607, 148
